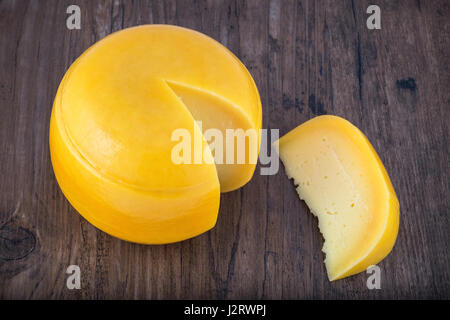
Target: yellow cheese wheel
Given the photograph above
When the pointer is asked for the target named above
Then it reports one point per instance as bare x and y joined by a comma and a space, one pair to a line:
112, 123
344, 183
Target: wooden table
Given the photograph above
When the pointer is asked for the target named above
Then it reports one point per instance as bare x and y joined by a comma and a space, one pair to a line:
307, 58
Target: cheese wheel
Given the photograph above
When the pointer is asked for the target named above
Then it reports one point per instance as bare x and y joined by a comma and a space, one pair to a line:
112, 125
344, 183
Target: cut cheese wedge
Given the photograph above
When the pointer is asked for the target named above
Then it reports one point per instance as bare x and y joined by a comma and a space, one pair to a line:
112, 125
344, 183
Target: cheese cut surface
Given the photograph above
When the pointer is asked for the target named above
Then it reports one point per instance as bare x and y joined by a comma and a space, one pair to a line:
225, 116
112, 123
344, 183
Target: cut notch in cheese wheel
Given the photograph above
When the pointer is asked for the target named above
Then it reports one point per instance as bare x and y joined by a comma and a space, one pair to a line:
344, 183
112, 124
225, 116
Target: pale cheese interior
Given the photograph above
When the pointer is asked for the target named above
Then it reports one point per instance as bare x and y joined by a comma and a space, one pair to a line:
217, 113
334, 179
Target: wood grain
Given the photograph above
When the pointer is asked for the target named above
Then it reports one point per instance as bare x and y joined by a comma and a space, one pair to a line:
307, 58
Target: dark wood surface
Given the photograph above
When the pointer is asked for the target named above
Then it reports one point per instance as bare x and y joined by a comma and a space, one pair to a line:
307, 58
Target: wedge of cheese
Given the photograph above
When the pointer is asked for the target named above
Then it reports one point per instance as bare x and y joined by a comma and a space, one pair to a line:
344, 183
112, 123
